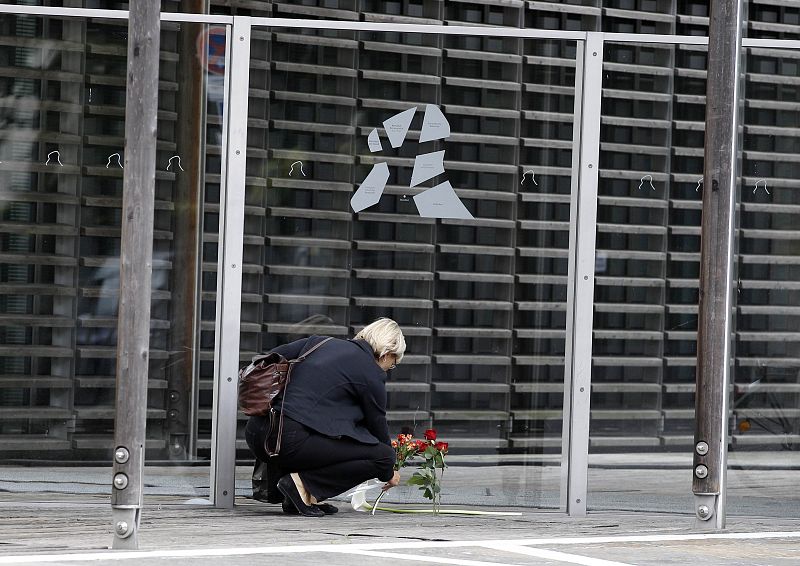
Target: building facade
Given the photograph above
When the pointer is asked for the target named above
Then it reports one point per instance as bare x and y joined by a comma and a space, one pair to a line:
482, 302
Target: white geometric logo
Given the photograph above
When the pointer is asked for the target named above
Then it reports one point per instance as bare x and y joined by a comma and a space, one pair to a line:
440, 201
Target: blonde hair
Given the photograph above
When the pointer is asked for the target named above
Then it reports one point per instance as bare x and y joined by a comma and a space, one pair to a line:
385, 337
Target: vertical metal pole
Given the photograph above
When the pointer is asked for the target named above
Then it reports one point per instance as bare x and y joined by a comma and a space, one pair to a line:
136, 256
577, 123
580, 294
229, 274
716, 263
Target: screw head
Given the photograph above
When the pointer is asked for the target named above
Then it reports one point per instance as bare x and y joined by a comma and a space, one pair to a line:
702, 448
121, 455
701, 471
703, 511
120, 481
121, 528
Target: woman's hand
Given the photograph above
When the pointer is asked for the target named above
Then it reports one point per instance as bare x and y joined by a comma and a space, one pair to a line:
394, 482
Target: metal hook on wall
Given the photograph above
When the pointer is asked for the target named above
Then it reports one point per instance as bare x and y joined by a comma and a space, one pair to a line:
291, 169
533, 177
699, 182
650, 178
178, 157
765, 186
58, 157
119, 160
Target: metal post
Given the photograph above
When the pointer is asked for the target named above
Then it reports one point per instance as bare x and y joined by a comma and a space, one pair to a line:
580, 292
229, 270
136, 256
716, 263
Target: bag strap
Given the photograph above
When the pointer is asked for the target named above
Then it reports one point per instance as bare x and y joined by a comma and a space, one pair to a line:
310, 351
283, 397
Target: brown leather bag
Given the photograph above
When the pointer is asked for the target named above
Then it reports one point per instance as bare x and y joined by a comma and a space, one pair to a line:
261, 382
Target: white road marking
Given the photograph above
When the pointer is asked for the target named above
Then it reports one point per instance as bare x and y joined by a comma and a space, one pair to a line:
655, 538
406, 545
553, 555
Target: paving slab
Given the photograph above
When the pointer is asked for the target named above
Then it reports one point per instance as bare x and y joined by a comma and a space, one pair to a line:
59, 527
63, 516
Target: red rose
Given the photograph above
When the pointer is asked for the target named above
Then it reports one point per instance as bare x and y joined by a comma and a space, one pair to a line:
442, 447
430, 434
421, 445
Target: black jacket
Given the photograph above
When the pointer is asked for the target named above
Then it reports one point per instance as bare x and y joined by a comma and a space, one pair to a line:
339, 390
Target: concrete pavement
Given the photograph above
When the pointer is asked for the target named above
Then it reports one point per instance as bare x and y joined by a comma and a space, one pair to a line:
640, 514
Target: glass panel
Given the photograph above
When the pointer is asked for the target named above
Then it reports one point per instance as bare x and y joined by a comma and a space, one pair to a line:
188, 166
766, 395
772, 20
647, 260
480, 300
61, 147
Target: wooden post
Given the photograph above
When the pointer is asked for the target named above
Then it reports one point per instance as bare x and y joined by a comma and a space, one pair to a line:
136, 256
714, 342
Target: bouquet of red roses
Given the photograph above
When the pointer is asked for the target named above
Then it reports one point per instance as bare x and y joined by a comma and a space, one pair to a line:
405, 448
427, 478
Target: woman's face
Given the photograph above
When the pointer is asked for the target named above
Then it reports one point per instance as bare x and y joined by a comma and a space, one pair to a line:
387, 362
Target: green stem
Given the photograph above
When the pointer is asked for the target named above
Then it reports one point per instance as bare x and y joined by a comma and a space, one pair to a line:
441, 480
375, 506
445, 511
434, 485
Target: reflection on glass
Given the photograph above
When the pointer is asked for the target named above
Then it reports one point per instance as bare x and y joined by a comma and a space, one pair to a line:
647, 283
765, 407
481, 301
646, 266
62, 102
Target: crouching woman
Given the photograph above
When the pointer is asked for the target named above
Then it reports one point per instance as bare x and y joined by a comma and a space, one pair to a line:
335, 434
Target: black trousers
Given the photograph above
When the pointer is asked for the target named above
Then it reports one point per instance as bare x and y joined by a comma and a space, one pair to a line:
327, 466
263, 488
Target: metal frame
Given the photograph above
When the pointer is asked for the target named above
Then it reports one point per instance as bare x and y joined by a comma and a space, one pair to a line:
566, 435
580, 278
580, 301
229, 267
111, 14
391, 27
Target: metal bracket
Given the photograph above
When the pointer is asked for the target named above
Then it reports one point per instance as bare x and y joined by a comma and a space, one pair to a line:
705, 505
126, 527
127, 515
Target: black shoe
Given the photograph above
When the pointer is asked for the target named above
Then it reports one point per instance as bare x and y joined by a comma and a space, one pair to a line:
326, 508
268, 497
287, 487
